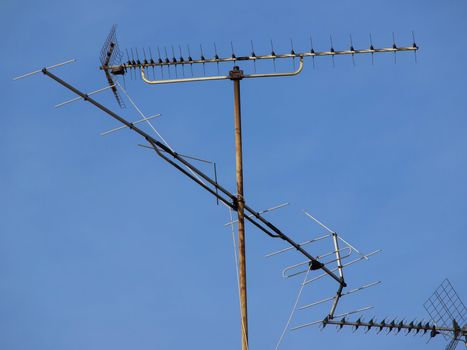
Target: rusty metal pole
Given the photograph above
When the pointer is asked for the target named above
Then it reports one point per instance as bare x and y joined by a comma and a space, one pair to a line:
236, 75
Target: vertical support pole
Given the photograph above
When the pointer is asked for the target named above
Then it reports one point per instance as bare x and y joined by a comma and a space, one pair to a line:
236, 75
341, 274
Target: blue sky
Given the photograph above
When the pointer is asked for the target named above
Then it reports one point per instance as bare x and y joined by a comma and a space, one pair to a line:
102, 245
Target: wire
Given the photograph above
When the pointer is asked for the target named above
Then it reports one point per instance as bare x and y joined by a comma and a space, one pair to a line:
238, 274
155, 130
293, 310
142, 114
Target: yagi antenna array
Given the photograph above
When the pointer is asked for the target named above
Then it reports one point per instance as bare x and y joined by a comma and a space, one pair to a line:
111, 60
447, 312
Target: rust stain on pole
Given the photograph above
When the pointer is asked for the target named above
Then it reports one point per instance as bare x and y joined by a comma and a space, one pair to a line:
236, 75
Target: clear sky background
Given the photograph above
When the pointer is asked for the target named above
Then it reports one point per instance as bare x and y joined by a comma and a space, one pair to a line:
104, 246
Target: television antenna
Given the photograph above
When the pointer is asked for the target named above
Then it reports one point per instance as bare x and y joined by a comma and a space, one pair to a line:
110, 58
235, 75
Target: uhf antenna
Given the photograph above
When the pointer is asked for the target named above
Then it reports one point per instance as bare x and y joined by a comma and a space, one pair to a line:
448, 314
112, 67
352, 51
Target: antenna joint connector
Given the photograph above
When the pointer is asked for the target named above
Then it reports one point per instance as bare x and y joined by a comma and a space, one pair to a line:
236, 73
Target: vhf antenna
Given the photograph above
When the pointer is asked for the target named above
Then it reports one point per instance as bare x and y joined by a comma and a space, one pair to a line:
110, 58
236, 75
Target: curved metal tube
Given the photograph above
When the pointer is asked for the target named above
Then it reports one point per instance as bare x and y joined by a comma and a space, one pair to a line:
271, 75
220, 77
344, 265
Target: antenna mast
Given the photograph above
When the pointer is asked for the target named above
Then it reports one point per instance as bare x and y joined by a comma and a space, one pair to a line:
236, 75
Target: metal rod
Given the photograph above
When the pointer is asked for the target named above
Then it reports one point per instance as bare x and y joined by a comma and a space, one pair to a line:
181, 80
336, 300
355, 311
333, 297
341, 274
80, 98
134, 123
351, 246
40, 70
300, 244
318, 222
338, 255
236, 75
